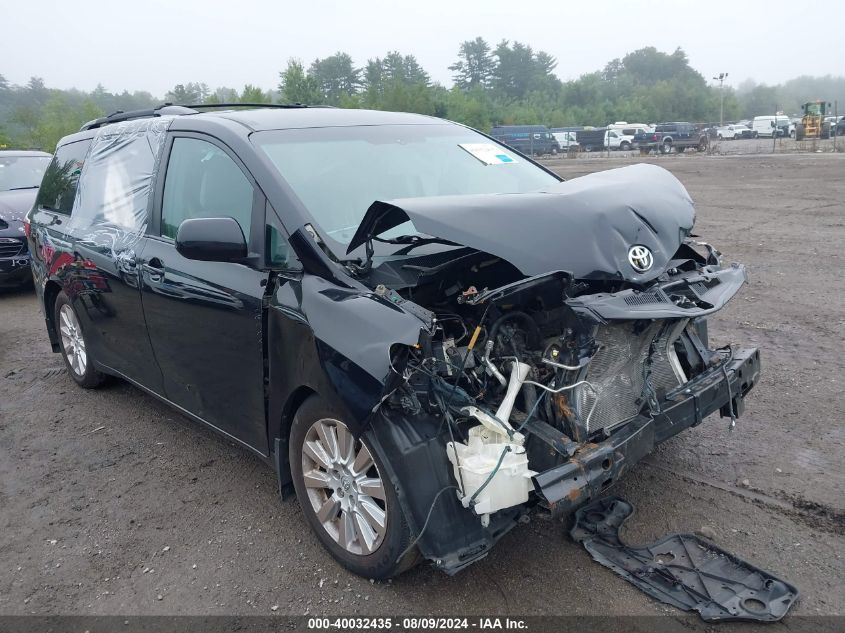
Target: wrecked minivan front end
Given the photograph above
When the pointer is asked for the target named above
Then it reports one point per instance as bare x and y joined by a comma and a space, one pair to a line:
562, 336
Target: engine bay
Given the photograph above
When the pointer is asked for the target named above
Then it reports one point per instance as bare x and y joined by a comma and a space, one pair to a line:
524, 375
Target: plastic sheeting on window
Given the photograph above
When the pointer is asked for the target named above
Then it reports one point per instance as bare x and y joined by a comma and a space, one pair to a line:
117, 180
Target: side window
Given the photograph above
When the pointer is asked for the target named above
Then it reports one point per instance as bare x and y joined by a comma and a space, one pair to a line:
58, 189
278, 249
202, 181
116, 181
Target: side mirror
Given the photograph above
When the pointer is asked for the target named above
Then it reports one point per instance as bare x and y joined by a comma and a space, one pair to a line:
211, 240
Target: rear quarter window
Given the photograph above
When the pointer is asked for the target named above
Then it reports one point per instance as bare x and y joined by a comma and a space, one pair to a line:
58, 189
118, 175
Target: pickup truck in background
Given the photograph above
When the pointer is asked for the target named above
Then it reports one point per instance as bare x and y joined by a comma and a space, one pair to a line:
597, 140
679, 136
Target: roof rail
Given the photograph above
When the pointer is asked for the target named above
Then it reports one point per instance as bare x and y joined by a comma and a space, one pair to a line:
177, 109
120, 115
285, 106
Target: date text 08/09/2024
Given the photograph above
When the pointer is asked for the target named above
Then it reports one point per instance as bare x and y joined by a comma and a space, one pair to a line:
416, 623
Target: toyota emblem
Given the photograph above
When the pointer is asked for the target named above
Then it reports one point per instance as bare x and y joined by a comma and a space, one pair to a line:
640, 258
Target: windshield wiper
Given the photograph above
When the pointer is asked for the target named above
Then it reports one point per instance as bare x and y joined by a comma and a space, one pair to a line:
19, 188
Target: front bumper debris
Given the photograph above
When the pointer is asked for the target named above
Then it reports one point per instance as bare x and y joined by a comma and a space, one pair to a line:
683, 570
595, 466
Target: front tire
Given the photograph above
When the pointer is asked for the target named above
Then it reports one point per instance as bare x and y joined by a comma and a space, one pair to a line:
346, 494
74, 346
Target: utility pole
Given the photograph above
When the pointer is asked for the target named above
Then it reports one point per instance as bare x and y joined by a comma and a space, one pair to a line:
721, 79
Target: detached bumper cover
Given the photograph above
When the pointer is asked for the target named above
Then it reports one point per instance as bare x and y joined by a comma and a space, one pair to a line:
596, 466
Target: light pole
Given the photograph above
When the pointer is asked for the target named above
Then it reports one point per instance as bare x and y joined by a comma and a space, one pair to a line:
721, 79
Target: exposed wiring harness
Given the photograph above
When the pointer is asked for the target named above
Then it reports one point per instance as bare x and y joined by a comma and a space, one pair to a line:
425, 524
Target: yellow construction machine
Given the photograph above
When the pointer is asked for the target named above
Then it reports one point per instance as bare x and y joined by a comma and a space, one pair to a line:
812, 123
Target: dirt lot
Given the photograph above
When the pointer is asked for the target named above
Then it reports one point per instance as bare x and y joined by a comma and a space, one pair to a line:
111, 503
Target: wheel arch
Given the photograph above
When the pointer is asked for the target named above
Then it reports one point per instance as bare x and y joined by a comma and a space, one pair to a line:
279, 436
51, 292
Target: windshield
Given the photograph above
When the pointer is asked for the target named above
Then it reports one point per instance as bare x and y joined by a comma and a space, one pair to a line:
22, 172
338, 172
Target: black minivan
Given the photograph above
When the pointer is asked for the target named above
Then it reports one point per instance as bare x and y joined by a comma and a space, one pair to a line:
427, 335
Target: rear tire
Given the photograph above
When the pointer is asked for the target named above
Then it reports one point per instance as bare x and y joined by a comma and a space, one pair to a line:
340, 482
666, 147
74, 346
625, 146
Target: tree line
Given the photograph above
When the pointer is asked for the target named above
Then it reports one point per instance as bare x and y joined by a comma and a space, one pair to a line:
511, 83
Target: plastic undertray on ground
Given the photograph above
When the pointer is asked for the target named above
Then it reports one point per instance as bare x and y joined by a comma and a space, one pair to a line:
683, 570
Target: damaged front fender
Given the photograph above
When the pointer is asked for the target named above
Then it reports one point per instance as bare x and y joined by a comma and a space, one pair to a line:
352, 332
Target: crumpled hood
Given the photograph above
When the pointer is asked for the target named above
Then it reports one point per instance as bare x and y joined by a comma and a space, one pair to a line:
585, 226
14, 205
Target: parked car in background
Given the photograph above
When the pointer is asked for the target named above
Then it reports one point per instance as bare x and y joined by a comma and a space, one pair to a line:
745, 128
835, 124
733, 131
349, 295
20, 176
531, 140
769, 125
678, 136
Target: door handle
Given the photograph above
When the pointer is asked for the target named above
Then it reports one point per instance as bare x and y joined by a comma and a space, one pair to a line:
154, 268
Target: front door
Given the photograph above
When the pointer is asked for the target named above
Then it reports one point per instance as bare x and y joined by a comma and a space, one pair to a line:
205, 318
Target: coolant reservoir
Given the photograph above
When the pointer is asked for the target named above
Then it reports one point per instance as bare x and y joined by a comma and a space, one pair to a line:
475, 461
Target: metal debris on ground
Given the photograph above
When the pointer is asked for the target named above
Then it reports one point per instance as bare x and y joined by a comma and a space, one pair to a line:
683, 570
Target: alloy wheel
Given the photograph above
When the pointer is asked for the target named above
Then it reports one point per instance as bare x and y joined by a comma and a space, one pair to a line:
344, 487
73, 343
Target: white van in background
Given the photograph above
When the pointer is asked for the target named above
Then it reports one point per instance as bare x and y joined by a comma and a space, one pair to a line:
630, 129
566, 140
769, 124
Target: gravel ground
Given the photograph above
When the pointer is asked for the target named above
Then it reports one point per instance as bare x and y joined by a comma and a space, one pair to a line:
111, 503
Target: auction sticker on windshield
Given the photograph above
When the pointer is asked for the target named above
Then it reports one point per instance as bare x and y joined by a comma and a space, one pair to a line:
488, 153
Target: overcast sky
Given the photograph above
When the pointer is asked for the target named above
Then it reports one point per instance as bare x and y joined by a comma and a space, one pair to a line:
154, 44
